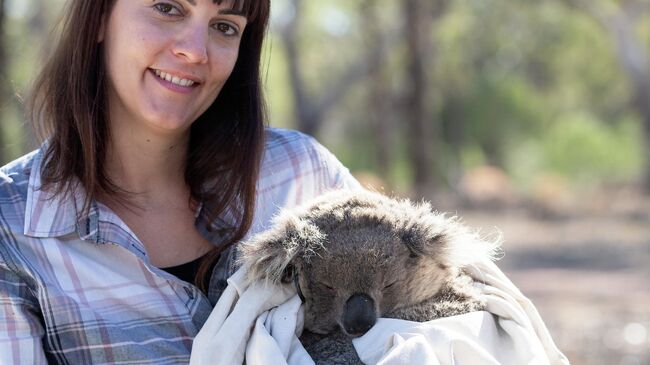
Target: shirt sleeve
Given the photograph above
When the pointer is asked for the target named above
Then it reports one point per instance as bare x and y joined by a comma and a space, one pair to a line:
21, 330
296, 168
336, 175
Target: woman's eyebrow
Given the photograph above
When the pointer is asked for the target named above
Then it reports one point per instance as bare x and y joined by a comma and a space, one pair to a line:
222, 11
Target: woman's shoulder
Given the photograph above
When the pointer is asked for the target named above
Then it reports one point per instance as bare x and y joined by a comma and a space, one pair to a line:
281, 138
14, 177
14, 182
296, 148
296, 161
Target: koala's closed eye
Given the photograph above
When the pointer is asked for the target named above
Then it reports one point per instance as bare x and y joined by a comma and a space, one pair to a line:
327, 286
390, 285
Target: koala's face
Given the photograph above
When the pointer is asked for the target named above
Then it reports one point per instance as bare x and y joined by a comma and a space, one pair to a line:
359, 256
362, 274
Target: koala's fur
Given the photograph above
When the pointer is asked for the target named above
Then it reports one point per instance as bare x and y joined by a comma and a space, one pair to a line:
404, 257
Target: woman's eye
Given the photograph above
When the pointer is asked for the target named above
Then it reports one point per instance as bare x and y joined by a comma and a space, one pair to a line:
226, 29
167, 9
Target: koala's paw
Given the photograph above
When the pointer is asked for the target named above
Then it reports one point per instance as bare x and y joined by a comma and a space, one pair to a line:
334, 348
458, 297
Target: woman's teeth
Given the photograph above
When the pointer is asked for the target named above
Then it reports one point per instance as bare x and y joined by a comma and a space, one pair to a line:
173, 79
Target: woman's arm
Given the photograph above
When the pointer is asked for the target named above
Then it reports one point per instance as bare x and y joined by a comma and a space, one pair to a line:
337, 176
21, 330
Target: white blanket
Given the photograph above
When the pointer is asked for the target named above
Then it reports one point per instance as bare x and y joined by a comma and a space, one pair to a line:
261, 324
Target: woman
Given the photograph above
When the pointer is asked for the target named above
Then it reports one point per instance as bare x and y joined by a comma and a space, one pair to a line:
155, 162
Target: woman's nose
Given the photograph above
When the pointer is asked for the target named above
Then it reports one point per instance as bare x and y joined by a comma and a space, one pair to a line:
192, 44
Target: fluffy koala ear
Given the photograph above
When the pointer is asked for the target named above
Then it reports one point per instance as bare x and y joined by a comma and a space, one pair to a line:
423, 242
273, 256
428, 233
422, 231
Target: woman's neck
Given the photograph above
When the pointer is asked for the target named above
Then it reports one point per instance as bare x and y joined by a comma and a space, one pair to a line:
147, 164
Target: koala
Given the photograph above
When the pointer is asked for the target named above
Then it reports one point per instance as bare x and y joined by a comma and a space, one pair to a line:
355, 256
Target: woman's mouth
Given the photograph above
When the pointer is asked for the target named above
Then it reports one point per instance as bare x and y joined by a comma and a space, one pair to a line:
176, 80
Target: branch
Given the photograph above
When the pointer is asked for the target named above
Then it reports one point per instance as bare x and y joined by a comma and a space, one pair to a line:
309, 109
353, 74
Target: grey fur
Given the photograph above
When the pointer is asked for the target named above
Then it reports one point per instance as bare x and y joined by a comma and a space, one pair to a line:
404, 256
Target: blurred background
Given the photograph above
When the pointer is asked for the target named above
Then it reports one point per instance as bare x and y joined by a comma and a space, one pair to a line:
530, 117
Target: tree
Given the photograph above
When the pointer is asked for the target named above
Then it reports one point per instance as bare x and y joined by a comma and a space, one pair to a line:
379, 97
417, 29
620, 19
309, 109
424, 127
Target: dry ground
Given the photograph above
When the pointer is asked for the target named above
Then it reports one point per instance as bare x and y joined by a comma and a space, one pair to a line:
586, 269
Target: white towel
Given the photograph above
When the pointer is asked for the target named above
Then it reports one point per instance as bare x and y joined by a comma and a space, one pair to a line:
261, 324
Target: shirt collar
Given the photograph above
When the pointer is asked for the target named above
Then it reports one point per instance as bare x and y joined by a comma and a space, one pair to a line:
49, 215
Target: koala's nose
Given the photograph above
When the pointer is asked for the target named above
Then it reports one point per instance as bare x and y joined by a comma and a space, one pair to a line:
359, 314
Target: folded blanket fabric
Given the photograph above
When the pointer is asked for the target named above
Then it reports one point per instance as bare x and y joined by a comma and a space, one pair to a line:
261, 323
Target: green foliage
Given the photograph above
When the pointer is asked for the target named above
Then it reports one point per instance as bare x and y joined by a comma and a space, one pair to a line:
531, 86
26, 38
276, 87
498, 113
512, 71
583, 149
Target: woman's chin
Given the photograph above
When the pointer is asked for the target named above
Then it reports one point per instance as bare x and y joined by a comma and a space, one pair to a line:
168, 124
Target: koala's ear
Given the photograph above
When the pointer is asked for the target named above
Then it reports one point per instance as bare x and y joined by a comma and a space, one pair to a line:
428, 233
423, 242
425, 232
275, 255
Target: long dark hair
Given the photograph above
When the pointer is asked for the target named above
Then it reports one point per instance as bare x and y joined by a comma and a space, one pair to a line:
69, 109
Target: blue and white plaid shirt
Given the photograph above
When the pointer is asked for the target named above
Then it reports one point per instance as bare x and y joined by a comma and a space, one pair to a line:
84, 291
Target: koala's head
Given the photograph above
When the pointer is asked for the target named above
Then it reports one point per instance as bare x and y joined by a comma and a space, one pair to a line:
358, 255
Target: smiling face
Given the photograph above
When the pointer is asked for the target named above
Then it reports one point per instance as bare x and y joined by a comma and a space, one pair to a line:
167, 60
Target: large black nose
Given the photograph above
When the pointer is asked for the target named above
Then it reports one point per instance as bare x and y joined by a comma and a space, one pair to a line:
359, 314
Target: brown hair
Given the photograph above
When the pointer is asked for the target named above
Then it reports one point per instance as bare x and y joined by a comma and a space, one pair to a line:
68, 108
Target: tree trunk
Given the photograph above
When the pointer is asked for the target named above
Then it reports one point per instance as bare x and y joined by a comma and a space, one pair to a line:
39, 26
379, 98
419, 127
453, 132
310, 110
643, 105
301, 101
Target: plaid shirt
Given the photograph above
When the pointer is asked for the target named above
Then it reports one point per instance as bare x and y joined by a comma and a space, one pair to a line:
84, 292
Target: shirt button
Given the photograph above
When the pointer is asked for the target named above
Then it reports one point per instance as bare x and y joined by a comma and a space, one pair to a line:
189, 292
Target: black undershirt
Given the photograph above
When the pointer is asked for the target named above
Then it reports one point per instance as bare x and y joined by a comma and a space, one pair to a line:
187, 271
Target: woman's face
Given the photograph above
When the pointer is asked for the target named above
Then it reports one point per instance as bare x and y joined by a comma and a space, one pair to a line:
167, 60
